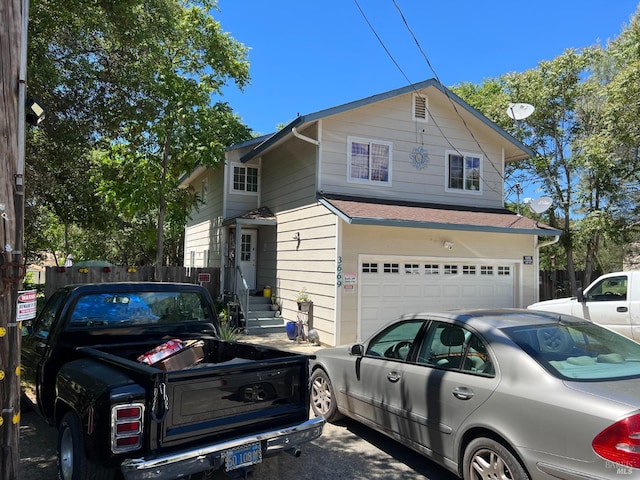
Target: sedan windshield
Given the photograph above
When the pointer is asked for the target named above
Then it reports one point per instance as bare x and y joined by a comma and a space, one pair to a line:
579, 350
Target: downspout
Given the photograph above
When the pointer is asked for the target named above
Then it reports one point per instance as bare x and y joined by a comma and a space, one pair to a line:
550, 242
303, 137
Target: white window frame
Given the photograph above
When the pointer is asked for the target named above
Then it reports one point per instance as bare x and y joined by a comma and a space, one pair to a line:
417, 118
465, 157
369, 141
204, 190
245, 167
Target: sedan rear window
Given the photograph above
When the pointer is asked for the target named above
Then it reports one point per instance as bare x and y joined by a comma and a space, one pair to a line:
579, 350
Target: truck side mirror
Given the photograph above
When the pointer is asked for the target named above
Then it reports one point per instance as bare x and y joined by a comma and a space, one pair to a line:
580, 296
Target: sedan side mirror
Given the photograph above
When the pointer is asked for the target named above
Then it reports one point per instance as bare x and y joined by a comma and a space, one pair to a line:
357, 350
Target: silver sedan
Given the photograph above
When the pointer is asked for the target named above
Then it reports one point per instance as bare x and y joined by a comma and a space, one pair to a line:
505, 394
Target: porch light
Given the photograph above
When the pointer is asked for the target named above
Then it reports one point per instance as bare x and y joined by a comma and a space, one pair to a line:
448, 245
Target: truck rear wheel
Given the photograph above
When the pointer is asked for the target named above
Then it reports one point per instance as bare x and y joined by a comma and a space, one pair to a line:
73, 464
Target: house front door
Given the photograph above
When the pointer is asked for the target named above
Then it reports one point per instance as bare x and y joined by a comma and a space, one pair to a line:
247, 257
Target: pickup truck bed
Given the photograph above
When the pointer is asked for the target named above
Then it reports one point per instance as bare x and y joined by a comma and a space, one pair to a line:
220, 396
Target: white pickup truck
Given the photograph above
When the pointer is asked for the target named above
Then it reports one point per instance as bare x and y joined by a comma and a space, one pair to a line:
613, 300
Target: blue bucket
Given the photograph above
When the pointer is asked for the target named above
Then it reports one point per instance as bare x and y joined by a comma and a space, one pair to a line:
292, 329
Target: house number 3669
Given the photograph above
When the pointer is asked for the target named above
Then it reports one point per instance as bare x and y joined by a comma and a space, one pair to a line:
339, 272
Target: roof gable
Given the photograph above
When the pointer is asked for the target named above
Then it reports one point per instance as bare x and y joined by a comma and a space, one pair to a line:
289, 130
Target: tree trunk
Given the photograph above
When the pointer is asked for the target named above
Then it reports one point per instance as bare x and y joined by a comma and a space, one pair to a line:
590, 262
11, 19
568, 246
162, 205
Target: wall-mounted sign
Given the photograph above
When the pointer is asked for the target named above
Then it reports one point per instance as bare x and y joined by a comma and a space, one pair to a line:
527, 260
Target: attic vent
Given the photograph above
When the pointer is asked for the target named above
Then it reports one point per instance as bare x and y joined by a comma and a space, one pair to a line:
420, 108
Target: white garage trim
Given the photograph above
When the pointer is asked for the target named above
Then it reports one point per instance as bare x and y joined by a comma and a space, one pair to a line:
393, 285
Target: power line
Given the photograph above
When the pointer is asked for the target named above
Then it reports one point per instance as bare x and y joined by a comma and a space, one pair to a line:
453, 104
446, 92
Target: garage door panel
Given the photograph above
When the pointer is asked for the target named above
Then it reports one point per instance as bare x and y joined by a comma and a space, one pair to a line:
469, 290
431, 291
422, 285
451, 291
412, 291
391, 290
372, 291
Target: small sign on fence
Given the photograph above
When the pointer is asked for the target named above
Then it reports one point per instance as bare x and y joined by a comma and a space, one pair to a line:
204, 277
27, 305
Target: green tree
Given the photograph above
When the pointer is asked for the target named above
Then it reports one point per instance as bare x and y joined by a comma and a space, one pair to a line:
585, 131
128, 88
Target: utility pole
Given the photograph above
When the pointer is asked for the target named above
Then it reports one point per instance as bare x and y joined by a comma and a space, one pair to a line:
13, 46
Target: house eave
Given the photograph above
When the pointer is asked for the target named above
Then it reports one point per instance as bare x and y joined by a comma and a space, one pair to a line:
447, 226
188, 178
513, 224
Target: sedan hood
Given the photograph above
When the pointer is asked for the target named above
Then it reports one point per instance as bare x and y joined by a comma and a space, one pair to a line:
624, 392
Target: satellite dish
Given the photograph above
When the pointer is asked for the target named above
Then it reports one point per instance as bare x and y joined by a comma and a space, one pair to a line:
520, 111
541, 204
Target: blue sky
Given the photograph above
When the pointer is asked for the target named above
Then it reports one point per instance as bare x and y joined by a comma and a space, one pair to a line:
310, 55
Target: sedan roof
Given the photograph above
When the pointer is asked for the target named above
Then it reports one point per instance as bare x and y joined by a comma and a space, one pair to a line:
496, 318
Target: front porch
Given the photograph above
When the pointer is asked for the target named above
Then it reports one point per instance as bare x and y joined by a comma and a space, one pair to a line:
253, 315
248, 271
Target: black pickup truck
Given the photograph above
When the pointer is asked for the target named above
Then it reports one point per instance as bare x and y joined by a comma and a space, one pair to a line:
140, 385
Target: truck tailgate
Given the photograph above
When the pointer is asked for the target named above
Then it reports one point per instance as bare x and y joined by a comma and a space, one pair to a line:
223, 400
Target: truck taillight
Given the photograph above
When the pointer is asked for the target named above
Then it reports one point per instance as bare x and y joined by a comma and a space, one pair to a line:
126, 427
620, 443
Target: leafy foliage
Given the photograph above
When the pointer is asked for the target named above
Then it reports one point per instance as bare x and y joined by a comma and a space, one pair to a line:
127, 87
587, 141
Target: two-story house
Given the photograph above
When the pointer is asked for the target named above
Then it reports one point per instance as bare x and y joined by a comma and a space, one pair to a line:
382, 206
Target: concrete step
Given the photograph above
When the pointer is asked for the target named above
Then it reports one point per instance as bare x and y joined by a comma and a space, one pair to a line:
260, 329
264, 325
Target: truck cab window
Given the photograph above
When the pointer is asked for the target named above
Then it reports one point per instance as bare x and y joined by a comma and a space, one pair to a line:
43, 324
609, 289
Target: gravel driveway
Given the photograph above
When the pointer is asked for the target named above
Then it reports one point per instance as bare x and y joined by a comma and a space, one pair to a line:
346, 450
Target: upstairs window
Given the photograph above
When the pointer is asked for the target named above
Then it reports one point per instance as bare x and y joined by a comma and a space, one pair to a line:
369, 161
464, 172
245, 179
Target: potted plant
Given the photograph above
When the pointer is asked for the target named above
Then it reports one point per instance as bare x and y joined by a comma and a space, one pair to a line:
274, 303
303, 300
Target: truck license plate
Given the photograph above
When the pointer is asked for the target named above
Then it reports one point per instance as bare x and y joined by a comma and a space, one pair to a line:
242, 456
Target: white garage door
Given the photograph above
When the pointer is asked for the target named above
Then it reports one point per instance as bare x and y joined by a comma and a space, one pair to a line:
390, 288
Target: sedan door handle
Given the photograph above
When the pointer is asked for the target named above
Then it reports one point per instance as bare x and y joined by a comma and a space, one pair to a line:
393, 377
462, 393
622, 309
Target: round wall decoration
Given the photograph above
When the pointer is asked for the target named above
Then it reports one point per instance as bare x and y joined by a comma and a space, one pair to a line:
420, 157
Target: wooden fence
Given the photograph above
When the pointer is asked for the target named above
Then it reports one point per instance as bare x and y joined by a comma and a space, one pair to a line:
57, 277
